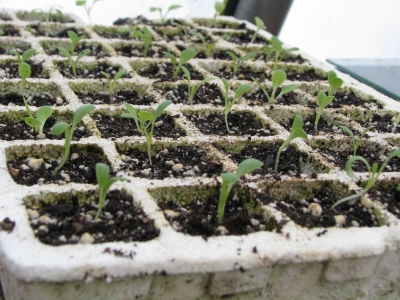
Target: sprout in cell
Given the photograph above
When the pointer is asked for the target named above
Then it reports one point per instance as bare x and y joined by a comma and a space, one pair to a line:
162, 17
42, 114
238, 61
278, 51
24, 69
75, 39
356, 141
260, 25
208, 46
192, 88
185, 56
322, 102
111, 83
334, 83
219, 10
73, 63
55, 8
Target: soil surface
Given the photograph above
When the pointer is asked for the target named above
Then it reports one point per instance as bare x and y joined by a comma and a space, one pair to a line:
10, 30
214, 54
164, 72
131, 97
287, 59
309, 126
381, 123
72, 223
389, 196
244, 37
240, 124
349, 99
79, 168
177, 162
40, 30
201, 218
242, 73
261, 99
205, 94
306, 76
137, 51
36, 70
83, 73
95, 50
37, 100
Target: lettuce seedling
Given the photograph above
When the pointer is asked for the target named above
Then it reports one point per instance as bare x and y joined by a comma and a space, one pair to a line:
183, 28
208, 46
88, 9
48, 14
145, 121
1, 32
396, 122
192, 89
229, 179
73, 63
185, 56
111, 83
75, 39
134, 31
278, 78
229, 103
297, 131
322, 102
102, 176
24, 70
162, 17
68, 129
238, 61
334, 83
260, 25
219, 10
42, 114
276, 48
373, 174
356, 141
145, 36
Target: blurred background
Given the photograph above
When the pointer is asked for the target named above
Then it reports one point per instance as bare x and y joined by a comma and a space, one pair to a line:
324, 29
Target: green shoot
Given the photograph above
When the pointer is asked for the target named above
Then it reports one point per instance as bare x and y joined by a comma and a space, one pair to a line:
276, 48
48, 14
398, 187
334, 83
185, 56
73, 63
162, 17
396, 122
356, 141
183, 28
219, 10
322, 102
229, 103
260, 25
297, 131
111, 83
1, 32
192, 89
229, 179
75, 39
208, 46
278, 78
373, 174
88, 9
238, 61
145, 36
68, 129
42, 114
24, 70
134, 31
145, 121
102, 176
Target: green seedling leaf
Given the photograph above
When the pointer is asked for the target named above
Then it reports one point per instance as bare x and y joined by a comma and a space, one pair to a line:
219, 7
186, 55
24, 70
278, 77
152, 9
171, 57
82, 54
145, 116
260, 23
27, 54
1, 32
102, 173
174, 6
80, 2
331, 74
81, 112
160, 109
42, 115
287, 89
232, 55
241, 90
230, 177
187, 74
396, 122
199, 35
59, 128
248, 56
249, 166
322, 102
32, 122
105, 75
119, 74
65, 52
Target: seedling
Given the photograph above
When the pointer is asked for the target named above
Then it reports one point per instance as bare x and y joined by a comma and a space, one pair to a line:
48, 14
145, 121
145, 36
229, 103
111, 83
88, 8
24, 70
278, 78
396, 122
297, 131
68, 129
102, 176
322, 102
42, 114
238, 61
373, 174
162, 17
356, 141
75, 39
334, 83
208, 46
185, 56
260, 25
183, 28
219, 9
73, 63
229, 179
134, 31
276, 48
1, 32
192, 89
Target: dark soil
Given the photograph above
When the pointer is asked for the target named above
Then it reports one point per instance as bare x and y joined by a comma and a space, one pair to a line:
112, 33
206, 94
40, 30
133, 21
131, 97
7, 225
214, 54
244, 37
381, 123
5, 17
36, 69
164, 72
349, 99
287, 59
193, 160
240, 124
95, 50
261, 99
120, 220
9, 30
306, 76
82, 73
38, 101
266, 153
116, 127
389, 196
201, 218
79, 170
309, 126
137, 51
242, 73
298, 212
10, 131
